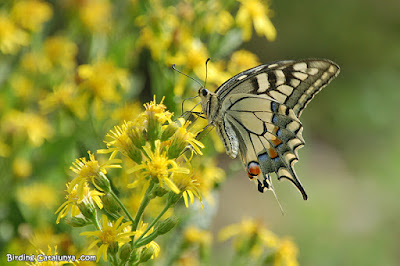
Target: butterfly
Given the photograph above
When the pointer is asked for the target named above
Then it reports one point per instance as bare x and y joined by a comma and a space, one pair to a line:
256, 114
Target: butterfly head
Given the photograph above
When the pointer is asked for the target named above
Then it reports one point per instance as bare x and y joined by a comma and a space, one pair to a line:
203, 92
209, 103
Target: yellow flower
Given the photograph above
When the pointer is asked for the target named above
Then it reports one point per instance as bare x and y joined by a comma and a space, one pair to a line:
23, 86
159, 167
121, 142
257, 12
61, 51
109, 235
35, 62
31, 14
193, 55
65, 94
127, 112
34, 126
182, 138
40, 258
242, 60
22, 167
220, 22
286, 254
155, 110
142, 227
46, 236
38, 195
96, 15
189, 187
102, 80
71, 205
195, 235
249, 235
92, 171
11, 37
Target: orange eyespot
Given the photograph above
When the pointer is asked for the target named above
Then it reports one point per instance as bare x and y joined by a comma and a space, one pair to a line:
253, 169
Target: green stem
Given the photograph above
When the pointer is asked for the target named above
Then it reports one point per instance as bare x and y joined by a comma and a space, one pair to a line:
96, 222
143, 205
122, 206
169, 203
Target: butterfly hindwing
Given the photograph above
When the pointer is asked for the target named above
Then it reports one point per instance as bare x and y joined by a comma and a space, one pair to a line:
268, 134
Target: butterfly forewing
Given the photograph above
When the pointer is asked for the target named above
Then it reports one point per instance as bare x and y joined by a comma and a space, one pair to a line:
293, 83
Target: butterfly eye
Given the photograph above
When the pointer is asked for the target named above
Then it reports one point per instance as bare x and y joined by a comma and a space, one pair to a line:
203, 92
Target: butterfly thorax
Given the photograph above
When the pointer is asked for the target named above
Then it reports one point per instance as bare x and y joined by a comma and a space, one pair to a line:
210, 106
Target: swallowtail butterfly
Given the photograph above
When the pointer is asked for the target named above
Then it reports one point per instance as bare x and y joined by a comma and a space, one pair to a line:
256, 114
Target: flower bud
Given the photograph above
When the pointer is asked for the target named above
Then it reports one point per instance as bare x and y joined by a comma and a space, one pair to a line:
102, 183
158, 191
87, 208
153, 128
77, 221
135, 154
146, 254
169, 131
166, 225
136, 136
110, 204
113, 248
125, 252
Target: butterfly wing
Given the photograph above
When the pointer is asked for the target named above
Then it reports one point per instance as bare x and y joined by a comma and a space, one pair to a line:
268, 135
292, 83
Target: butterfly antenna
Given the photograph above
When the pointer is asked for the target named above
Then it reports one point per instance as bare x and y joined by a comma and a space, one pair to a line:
205, 81
180, 72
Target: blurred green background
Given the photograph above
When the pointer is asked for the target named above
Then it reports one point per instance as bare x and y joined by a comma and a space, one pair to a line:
350, 165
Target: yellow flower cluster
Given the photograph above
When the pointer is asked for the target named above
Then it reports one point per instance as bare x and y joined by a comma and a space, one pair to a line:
156, 144
253, 242
175, 34
25, 16
72, 69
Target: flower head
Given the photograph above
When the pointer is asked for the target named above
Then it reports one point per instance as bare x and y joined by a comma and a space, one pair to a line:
286, 253
121, 141
40, 256
189, 187
37, 195
257, 12
90, 171
250, 236
31, 14
11, 36
159, 167
109, 235
155, 110
71, 205
182, 138
195, 235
